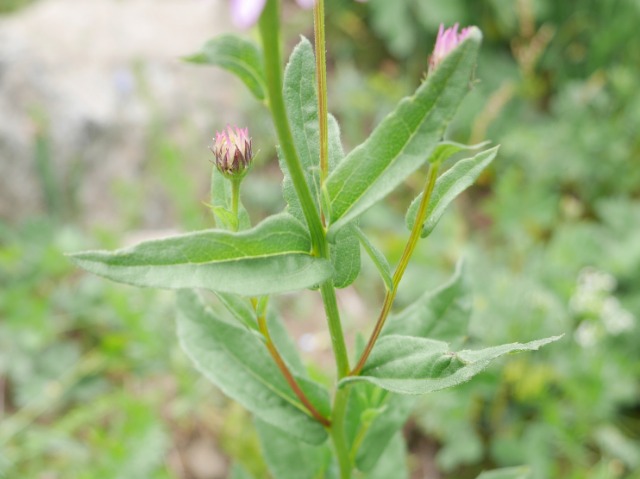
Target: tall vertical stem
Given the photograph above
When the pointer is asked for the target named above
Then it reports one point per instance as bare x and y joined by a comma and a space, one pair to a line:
321, 74
335, 328
338, 436
270, 32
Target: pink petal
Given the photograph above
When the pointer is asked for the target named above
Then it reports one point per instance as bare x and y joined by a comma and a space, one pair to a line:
306, 3
245, 13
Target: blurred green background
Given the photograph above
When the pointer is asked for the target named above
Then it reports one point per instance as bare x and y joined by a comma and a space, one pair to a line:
92, 381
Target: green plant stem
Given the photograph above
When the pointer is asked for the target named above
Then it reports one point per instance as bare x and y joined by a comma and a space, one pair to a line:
327, 290
338, 436
402, 266
335, 328
235, 199
262, 325
269, 32
321, 74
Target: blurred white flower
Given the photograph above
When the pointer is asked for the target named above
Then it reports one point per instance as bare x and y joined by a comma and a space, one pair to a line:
615, 318
586, 335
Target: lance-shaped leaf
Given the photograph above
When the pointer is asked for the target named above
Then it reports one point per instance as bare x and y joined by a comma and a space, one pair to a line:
448, 186
405, 138
238, 362
238, 56
409, 365
273, 257
301, 101
289, 458
442, 314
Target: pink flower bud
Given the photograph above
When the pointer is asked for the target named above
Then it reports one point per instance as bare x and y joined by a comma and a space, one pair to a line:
245, 13
306, 3
232, 149
446, 41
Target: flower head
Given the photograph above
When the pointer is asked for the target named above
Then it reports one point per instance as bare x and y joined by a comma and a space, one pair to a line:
232, 149
446, 41
245, 13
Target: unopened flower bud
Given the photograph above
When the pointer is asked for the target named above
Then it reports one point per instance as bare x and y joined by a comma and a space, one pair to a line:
232, 149
446, 41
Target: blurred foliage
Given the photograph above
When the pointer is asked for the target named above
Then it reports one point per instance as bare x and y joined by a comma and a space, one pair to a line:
8, 6
553, 227
92, 383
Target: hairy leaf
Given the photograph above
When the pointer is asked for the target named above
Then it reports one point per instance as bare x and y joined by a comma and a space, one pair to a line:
241, 310
272, 257
404, 140
289, 458
409, 365
301, 101
345, 257
448, 186
238, 56
238, 362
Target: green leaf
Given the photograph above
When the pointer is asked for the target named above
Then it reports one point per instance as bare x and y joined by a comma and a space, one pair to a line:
446, 149
453, 182
374, 416
377, 257
409, 365
272, 257
442, 314
289, 458
393, 461
237, 361
285, 344
404, 140
238, 56
345, 257
301, 101
507, 473
239, 308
